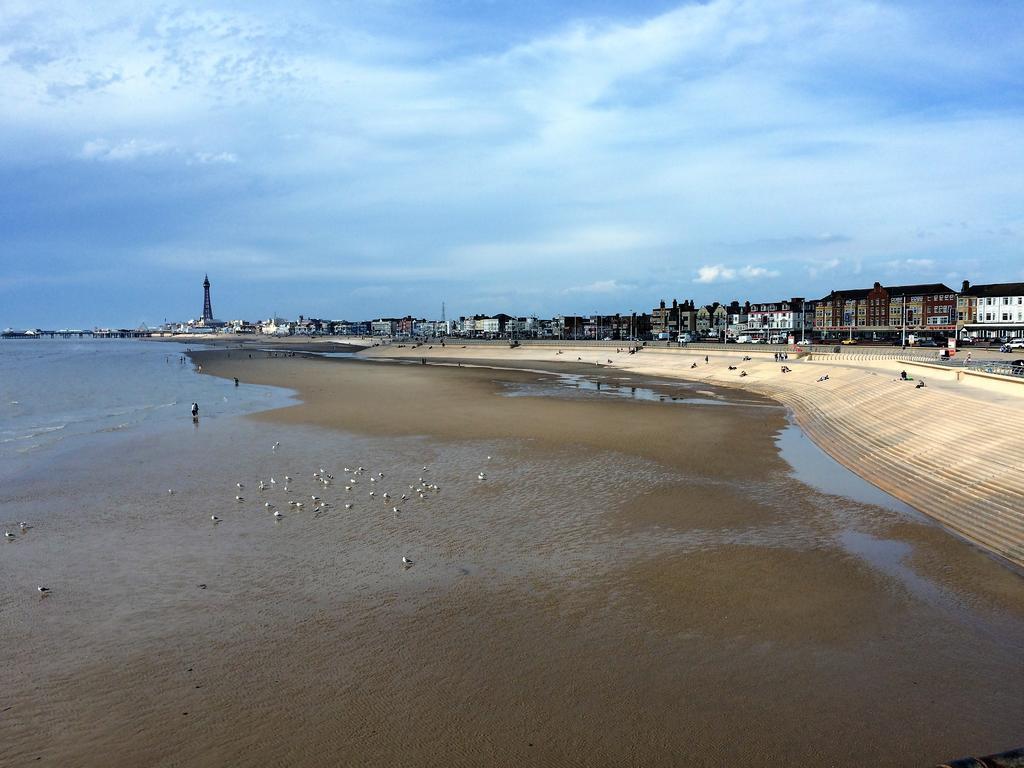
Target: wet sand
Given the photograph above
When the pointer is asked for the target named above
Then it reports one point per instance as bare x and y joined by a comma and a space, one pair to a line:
637, 583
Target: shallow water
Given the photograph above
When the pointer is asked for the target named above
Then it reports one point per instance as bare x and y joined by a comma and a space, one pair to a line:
55, 393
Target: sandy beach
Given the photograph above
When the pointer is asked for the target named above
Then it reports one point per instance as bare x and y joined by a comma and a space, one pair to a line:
640, 579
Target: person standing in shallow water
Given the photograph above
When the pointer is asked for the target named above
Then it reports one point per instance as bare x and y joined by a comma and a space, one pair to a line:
195, 411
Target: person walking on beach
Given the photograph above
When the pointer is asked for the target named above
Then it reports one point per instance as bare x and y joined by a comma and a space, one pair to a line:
236, 381
195, 411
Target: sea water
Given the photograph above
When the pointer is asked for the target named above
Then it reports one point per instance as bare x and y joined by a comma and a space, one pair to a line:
57, 394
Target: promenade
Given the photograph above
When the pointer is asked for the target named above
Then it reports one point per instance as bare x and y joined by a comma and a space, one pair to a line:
952, 450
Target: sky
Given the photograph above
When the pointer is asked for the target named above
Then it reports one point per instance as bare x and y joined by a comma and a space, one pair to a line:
355, 160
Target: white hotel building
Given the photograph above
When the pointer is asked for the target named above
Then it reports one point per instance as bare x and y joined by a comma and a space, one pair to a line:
996, 310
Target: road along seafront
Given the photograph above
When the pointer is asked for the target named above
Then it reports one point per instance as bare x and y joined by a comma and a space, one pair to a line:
953, 449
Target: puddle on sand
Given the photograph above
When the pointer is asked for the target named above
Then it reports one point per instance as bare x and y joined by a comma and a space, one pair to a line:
814, 467
568, 384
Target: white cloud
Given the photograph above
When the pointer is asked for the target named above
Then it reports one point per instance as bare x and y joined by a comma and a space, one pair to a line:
718, 273
211, 158
601, 286
131, 149
823, 266
911, 265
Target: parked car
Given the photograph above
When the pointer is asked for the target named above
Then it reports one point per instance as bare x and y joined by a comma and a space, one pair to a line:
1017, 363
848, 341
1015, 343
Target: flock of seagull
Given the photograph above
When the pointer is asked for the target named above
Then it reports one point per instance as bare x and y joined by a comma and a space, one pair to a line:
352, 478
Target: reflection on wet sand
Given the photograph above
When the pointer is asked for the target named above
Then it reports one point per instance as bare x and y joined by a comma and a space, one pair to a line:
634, 583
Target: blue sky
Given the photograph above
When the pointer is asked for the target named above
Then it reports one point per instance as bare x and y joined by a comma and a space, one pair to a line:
349, 160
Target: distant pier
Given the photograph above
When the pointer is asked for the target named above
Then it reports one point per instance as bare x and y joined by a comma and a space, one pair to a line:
76, 334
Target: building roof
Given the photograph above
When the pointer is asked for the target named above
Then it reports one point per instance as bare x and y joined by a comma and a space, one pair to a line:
894, 290
996, 289
916, 290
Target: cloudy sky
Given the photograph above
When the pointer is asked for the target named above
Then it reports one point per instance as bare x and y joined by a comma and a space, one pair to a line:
346, 160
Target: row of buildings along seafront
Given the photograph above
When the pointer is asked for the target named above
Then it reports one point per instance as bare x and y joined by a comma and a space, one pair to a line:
879, 313
903, 313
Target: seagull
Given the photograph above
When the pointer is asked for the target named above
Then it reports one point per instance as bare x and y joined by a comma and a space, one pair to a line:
404, 497
292, 503
372, 494
287, 479
240, 485
423, 495
239, 499
43, 590
299, 505
267, 504
488, 458
406, 561
274, 446
380, 474
424, 469
215, 518
348, 487
287, 489
170, 491
481, 476
273, 481
8, 534
277, 514
348, 506
386, 495
24, 526
315, 498
396, 510
373, 479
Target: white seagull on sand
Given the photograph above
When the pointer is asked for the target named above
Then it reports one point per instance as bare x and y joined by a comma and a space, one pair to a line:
8, 535
406, 561
239, 499
215, 518
277, 514
24, 526
348, 506
43, 590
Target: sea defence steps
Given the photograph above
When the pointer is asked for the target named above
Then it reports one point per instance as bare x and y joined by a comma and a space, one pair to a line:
952, 450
